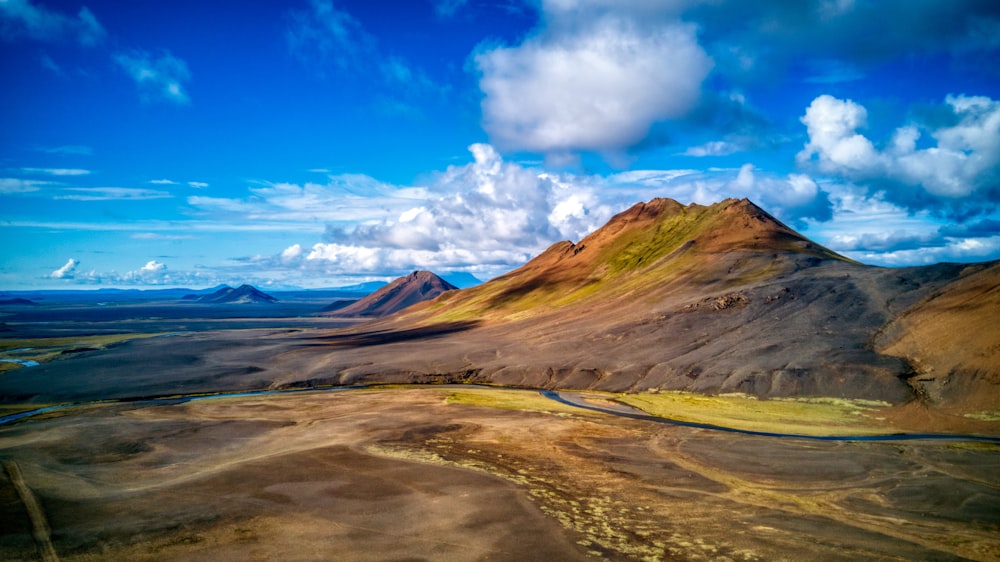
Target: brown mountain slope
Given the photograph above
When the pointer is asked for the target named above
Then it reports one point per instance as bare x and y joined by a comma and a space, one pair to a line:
951, 340
642, 251
403, 292
720, 298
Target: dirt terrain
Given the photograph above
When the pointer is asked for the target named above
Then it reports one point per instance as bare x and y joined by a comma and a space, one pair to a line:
455, 474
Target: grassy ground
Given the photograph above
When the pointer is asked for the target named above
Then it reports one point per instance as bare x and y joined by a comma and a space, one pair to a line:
527, 400
809, 416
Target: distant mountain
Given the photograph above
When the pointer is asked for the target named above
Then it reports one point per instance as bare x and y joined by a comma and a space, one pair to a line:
244, 294
17, 302
404, 292
719, 298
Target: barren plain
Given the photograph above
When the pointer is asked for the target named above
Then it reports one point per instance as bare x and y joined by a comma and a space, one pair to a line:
454, 473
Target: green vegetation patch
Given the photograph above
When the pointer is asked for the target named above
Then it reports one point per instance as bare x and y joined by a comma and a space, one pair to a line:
806, 416
41, 350
984, 416
508, 399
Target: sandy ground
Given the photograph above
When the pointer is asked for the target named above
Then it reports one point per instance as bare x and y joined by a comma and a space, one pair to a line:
405, 475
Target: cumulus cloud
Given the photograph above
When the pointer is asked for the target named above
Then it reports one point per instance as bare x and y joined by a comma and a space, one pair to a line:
490, 214
66, 271
25, 18
958, 173
159, 78
589, 81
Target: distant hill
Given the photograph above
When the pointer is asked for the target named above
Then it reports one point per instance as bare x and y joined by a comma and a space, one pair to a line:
719, 298
17, 302
244, 294
404, 292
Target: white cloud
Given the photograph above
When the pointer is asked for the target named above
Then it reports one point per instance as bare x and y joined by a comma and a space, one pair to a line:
18, 185
66, 271
291, 253
24, 17
963, 163
163, 182
713, 148
158, 78
832, 125
589, 82
198, 184
344, 198
490, 214
153, 267
55, 171
111, 194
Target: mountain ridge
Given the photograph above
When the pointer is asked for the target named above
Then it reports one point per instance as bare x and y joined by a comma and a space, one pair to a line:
717, 298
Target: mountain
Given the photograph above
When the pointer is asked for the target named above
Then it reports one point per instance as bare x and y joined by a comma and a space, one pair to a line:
719, 298
17, 302
244, 294
403, 292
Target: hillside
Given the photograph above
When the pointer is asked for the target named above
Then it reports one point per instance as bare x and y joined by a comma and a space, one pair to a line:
403, 292
720, 298
244, 294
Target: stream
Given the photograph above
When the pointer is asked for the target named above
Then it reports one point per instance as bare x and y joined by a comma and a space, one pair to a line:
567, 398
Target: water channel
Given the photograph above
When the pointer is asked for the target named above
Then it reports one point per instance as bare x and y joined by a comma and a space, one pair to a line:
574, 399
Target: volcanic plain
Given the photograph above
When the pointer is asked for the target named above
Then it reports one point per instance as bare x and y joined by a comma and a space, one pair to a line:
828, 410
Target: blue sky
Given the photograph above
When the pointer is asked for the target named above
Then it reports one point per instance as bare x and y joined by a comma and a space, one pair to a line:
320, 143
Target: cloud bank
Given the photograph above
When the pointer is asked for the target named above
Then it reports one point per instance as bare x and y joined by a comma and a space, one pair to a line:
487, 216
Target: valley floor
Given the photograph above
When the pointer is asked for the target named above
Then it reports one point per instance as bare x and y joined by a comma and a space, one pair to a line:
444, 473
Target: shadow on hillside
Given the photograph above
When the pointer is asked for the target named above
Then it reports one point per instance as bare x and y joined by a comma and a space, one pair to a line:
382, 337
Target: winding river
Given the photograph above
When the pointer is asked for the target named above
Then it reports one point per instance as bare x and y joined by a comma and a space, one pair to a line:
573, 399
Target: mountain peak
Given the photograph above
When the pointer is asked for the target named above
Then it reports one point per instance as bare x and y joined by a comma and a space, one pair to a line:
244, 294
645, 249
402, 293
